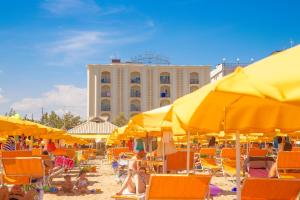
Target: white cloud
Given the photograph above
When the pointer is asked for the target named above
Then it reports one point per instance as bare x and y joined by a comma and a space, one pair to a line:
74, 47
80, 8
70, 7
2, 98
62, 98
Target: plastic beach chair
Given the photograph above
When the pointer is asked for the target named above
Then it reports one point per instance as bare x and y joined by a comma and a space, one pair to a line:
178, 186
270, 189
288, 164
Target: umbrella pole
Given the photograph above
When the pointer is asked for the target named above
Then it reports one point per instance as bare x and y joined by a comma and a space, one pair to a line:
238, 165
164, 156
188, 153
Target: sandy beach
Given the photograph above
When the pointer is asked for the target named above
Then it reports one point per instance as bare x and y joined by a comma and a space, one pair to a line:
105, 180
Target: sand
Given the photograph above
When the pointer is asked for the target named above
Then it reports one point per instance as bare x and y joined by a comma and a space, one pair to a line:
107, 182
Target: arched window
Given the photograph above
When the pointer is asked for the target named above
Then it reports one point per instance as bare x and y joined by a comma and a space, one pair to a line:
135, 106
135, 77
164, 102
193, 88
135, 91
194, 78
105, 91
105, 105
165, 78
105, 77
165, 92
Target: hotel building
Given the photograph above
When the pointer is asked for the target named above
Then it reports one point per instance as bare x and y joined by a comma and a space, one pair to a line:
132, 88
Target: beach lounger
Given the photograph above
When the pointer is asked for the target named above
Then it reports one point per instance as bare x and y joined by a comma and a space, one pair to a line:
17, 153
60, 152
270, 189
257, 163
288, 164
175, 186
21, 170
228, 161
296, 149
208, 161
177, 161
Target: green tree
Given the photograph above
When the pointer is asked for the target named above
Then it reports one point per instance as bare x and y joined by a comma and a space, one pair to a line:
67, 121
11, 112
120, 120
70, 121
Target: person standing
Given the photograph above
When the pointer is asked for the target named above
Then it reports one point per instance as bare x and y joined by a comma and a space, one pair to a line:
10, 144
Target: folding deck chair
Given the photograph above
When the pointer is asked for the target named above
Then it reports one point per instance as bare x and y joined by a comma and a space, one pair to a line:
270, 189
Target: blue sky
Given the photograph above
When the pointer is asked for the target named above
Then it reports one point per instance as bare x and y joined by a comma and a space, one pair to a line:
45, 45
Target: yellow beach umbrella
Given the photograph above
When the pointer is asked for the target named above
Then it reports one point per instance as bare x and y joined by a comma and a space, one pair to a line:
259, 98
153, 121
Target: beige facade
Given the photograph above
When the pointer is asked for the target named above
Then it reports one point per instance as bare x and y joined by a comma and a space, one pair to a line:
222, 70
132, 88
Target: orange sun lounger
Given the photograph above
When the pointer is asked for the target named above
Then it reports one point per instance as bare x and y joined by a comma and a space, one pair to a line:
288, 164
17, 153
177, 161
21, 170
270, 189
170, 187
228, 160
208, 160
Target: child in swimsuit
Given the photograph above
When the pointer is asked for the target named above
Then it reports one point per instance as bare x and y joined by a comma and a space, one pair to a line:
82, 182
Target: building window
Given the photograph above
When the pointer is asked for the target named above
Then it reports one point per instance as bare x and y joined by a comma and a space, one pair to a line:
105, 91
105, 105
135, 106
135, 77
105, 77
165, 92
164, 102
193, 88
165, 78
135, 91
194, 78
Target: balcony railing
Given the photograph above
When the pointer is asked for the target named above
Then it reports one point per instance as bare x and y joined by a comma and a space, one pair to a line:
135, 93
134, 108
165, 95
105, 108
136, 80
165, 80
105, 94
105, 80
194, 81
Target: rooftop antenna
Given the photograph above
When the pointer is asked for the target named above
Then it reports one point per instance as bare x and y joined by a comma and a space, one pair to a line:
224, 60
238, 61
